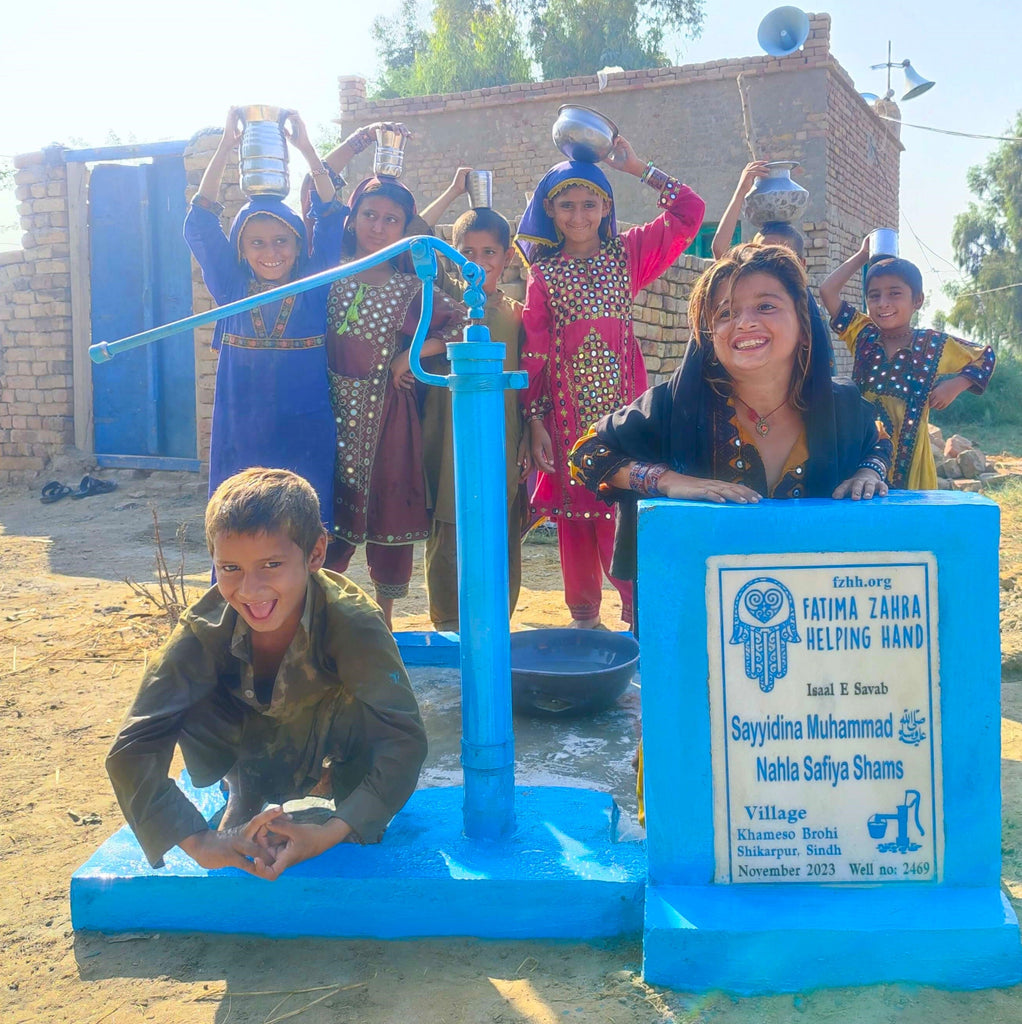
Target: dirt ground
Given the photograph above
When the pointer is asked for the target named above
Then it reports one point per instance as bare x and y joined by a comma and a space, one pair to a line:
73, 638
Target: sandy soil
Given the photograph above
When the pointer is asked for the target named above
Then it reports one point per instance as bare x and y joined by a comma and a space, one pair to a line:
73, 638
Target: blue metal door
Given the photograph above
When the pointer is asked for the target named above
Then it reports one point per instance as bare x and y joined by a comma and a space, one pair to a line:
143, 401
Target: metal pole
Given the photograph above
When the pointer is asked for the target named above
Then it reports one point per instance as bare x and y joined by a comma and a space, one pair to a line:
480, 475
477, 384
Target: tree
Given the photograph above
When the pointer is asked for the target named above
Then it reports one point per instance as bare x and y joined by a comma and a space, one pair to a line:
578, 37
471, 44
987, 241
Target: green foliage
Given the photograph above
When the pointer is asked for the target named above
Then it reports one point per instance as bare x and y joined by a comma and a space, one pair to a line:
987, 242
471, 44
999, 406
578, 37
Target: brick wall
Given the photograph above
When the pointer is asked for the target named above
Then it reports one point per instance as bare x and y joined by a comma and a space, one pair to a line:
36, 398
688, 120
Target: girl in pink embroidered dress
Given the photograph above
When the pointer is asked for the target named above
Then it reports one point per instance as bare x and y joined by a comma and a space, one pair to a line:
580, 349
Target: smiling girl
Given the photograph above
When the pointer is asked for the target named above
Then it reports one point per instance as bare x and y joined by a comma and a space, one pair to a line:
379, 486
271, 406
904, 371
580, 349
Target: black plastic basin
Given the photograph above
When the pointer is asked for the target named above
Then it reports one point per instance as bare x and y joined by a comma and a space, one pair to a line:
558, 673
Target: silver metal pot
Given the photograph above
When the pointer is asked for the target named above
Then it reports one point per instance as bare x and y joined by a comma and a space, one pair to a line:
480, 189
263, 152
389, 159
883, 242
582, 133
776, 197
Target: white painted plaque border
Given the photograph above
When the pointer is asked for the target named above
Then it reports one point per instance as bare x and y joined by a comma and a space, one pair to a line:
865, 813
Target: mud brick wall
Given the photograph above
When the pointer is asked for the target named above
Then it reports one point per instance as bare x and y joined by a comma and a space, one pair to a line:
36, 398
688, 120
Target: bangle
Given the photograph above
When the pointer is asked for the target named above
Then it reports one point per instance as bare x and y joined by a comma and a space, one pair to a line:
320, 173
655, 178
877, 465
358, 140
653, 479
644, 478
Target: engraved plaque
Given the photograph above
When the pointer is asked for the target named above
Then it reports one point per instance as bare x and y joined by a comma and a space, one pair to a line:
825, 717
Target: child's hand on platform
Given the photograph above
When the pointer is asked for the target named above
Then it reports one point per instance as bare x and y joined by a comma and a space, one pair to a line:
695, 488
400, 373
524, 460
947, 391
862, 484
233, 847
542, 447
302, 842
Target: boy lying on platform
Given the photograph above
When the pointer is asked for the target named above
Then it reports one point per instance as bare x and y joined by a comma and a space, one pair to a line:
281, 674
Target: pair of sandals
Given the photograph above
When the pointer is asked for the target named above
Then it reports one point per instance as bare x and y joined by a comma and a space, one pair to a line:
55, 490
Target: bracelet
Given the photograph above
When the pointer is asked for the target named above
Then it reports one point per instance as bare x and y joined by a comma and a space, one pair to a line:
359, 140
644, 478
653, 479
637, 477
877, 465
655, 178
320, 172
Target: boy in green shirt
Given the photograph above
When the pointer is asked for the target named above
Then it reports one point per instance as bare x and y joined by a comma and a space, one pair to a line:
281, 675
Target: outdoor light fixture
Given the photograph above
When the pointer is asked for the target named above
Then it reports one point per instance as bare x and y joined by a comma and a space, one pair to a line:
915, 84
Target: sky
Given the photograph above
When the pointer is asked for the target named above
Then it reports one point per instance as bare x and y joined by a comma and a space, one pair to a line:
146, 72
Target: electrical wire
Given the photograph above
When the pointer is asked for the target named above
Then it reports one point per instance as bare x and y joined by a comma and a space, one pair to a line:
947, 131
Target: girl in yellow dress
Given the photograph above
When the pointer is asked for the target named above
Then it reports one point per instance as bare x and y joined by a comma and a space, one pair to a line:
903, 370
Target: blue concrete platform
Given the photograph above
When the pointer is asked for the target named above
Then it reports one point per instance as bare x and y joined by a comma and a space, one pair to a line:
753, 940
561, 875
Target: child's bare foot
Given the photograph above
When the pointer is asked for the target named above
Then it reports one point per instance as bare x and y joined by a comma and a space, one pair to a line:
593, 623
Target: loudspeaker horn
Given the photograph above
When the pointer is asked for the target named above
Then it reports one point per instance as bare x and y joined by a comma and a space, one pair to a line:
915, 84
783, 31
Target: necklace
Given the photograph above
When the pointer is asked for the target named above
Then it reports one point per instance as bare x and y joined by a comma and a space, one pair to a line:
760, 424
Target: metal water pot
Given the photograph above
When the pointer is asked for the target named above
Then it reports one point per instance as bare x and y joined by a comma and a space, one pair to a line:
389, 158
264, 151
582, 133
883, 242
776, 197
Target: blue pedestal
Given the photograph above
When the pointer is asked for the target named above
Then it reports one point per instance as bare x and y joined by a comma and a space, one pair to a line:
561, 875
921, 900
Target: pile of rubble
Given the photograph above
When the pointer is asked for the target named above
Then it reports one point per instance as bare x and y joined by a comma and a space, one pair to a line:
961, 466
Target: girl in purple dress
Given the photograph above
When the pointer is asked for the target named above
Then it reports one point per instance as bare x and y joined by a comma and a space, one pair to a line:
271, 406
